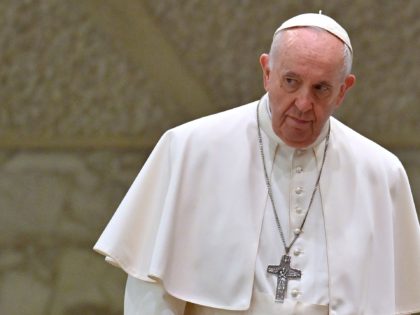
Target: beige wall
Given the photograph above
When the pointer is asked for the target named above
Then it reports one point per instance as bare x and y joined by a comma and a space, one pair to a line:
88, 86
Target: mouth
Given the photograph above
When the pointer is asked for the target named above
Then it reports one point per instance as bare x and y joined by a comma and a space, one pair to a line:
299, 121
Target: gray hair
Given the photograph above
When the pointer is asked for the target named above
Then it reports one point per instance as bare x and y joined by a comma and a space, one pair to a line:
347, 54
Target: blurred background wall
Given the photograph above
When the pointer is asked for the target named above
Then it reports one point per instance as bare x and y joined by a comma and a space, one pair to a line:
88, 86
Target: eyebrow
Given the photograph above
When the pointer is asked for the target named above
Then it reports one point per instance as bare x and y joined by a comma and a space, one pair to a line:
290, 74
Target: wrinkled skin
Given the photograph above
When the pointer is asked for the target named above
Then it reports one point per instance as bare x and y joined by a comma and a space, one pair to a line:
305, 83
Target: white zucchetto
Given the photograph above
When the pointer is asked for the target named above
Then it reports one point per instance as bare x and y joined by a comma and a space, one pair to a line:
317, 20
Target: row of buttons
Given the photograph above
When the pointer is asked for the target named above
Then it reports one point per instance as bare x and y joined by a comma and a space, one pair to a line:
298, 191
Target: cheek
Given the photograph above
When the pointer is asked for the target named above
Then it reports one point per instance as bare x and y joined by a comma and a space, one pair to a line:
278, 110
280, 103
279, 115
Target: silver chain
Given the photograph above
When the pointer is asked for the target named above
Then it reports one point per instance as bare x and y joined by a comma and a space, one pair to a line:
270, 192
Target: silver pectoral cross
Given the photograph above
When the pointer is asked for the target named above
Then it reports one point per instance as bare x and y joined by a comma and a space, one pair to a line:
284, 273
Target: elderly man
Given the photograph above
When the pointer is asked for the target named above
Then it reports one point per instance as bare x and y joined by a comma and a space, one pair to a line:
273, 207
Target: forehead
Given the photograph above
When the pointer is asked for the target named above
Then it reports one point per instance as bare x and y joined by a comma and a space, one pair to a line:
309, 51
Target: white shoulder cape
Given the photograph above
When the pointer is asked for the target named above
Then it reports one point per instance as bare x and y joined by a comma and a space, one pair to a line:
192, 218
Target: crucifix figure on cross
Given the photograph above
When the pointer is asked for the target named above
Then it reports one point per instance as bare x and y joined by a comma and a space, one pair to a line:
284, 273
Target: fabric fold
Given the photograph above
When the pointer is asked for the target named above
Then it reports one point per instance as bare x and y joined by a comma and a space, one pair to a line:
192, 218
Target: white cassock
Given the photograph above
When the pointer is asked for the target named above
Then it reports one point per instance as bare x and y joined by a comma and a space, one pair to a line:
198, 223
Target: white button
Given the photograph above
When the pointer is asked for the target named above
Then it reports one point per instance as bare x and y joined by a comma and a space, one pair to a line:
297, 252
298, 190
299, 152
295, 292
297, 231
299, 169
298, 210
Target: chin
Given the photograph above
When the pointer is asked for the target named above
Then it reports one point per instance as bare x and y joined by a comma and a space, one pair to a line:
295, 143
296, 138
298, 141
299, 145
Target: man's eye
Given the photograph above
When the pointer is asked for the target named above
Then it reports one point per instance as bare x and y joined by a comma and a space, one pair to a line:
290, 83
322, 89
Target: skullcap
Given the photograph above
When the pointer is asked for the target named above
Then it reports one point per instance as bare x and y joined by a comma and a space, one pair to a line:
317, 20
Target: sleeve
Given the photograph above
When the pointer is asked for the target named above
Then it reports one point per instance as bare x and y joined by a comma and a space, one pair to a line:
146, 298
406, 248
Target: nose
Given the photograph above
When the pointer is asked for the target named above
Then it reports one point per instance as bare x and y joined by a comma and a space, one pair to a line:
303, 101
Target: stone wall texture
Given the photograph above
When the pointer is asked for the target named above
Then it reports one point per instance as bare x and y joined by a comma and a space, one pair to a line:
88, 86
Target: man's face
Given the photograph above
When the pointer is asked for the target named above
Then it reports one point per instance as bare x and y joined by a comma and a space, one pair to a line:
305, 83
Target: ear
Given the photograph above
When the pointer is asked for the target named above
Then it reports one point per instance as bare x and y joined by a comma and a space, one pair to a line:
349, 81
265, 66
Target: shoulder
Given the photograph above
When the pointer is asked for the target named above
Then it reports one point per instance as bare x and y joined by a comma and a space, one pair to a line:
228, 123
362, 151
